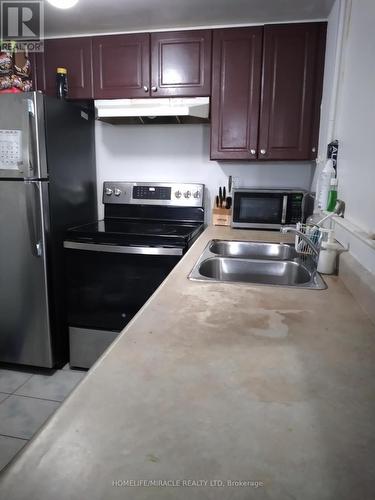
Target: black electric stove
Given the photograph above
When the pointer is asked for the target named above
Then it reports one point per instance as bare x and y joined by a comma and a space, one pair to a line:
122, 232
114, 265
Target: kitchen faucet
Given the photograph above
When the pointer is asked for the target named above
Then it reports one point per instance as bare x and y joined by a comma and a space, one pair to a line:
303, 236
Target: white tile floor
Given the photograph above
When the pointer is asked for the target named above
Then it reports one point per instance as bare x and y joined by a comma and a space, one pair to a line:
27, 399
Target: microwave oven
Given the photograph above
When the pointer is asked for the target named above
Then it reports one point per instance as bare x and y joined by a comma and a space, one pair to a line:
270, 208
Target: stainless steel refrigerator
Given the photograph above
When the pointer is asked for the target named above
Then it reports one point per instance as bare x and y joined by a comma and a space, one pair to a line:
47, 184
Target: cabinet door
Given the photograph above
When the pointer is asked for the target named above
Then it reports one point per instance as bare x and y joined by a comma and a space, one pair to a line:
293, 58
237, 59
75, 55
38, 72
181, 63
121, 66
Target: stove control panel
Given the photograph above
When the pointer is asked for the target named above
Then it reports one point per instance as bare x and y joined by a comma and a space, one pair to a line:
153, 193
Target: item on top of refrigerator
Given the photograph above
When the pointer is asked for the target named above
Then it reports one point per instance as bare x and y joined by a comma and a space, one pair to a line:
324, 183
332, 195
6, 64
61, 83
15, 72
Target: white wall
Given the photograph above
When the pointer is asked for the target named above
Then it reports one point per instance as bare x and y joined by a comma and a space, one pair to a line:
355, 119
181, 153
352, 122
349, 117
331, 56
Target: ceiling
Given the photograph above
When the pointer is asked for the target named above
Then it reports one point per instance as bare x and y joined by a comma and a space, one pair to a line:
111, 16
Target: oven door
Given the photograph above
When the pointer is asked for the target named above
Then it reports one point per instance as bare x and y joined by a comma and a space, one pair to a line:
108, 284
259, 209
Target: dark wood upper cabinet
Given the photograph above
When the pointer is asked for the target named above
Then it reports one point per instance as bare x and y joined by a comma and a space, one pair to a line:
121, 66
293, 58
236, 75
75, 55
277, 119
38, 72
181, 63
128, 66
266, 81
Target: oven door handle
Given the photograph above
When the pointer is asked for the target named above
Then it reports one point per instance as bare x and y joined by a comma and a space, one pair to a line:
96, 247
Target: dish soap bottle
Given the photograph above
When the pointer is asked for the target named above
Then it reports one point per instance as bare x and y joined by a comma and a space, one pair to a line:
332, 195
329, 250
324, 184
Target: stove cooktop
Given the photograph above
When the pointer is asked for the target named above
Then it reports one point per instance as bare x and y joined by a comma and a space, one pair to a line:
117, 232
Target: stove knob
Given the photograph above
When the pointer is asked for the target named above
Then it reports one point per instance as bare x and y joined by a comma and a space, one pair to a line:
197, 194
117, 192
108, 191
187, 194
178, 194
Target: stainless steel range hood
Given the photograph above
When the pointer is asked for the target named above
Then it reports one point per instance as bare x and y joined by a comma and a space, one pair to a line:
153, 111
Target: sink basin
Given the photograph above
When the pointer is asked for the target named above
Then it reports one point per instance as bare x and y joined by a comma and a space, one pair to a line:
255, 271
253, 250
255, 262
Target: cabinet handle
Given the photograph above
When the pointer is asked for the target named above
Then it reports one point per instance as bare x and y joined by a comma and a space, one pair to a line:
154, 89
253, 151
145, 88
262, 151
313, 150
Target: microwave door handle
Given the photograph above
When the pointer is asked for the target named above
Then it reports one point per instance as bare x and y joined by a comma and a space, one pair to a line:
283, 213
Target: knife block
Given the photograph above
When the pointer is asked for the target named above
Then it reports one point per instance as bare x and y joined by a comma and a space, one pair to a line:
221, 216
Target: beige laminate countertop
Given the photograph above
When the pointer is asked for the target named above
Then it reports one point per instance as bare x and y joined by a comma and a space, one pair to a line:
218, 381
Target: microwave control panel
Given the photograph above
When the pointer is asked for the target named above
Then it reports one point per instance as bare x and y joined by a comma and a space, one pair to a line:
295, 208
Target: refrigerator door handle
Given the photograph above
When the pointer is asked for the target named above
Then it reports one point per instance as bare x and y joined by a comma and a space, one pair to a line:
26, 168
29, 140
34, 216
39, 249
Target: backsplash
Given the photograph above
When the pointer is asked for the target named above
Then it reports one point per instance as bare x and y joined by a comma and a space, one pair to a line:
180, 153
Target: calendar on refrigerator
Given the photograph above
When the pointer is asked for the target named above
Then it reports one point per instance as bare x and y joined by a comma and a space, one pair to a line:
10, 149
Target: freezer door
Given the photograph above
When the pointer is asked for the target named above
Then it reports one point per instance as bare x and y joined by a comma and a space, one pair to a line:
24, 316
22, 136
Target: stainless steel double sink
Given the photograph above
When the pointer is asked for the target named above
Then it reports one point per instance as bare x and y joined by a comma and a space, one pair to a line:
255, 262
